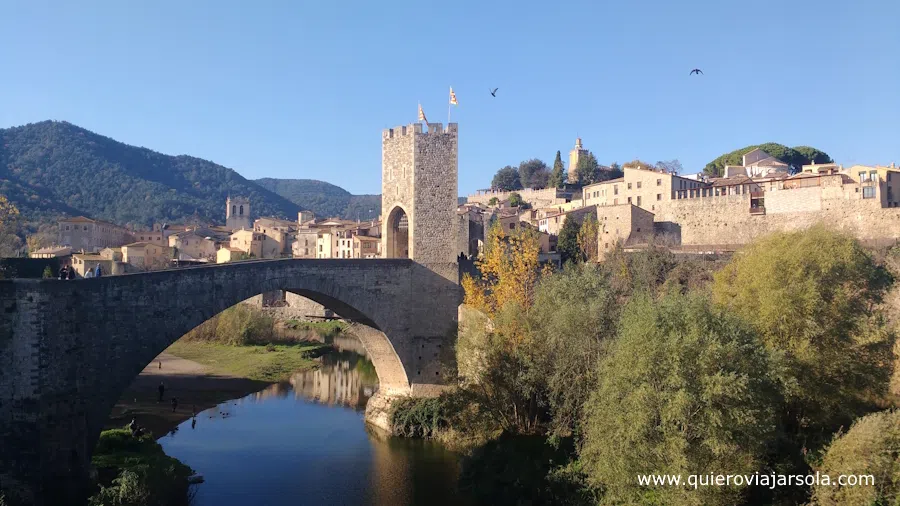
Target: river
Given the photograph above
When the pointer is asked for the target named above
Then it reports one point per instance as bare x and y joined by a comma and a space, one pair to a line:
305, 442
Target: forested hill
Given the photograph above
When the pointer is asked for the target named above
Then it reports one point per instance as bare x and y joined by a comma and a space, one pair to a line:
54, 167
324, 199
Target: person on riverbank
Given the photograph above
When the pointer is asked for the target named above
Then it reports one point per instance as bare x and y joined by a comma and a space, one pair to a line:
162, 390
174, 404
98, 271
63, 271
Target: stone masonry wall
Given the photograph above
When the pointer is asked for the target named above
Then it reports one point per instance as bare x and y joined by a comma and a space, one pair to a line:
434, 234
546, 197
397, 160
726, 221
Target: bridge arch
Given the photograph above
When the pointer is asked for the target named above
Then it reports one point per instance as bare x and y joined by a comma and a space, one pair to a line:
68, 349
397, 233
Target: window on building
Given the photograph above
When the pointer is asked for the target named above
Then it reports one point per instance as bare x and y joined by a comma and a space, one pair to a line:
615, 189
638, 184
873, 175
653, 208
659, 196
629, 200
615, 202
862, 176
639, 200
629, 186
659, 182
869, 192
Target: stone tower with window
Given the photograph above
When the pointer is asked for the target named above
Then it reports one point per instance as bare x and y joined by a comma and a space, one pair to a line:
419, 198
237, 213
419, 193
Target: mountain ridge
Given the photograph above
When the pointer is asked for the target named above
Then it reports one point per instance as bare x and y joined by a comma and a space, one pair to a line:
53, 168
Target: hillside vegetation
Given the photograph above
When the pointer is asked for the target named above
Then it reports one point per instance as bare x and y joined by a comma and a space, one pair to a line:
324, 199
796, 157
55, 168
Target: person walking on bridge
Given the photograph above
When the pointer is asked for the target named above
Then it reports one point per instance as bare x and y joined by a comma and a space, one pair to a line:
162, 390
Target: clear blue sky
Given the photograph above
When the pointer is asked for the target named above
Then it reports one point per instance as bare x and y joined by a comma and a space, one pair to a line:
302, 89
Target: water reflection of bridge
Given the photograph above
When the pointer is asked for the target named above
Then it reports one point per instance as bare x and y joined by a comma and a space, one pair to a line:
342, 378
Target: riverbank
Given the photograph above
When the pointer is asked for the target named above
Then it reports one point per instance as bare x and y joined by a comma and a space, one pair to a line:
201, 375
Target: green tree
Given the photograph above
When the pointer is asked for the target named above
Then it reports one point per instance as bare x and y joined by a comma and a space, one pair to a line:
507, 179
574, 318
795, 157
533, 174
868, 449
567, 244
684, 389
587, 170
558, 175
9, 214
588, 236
614, 172
48, 273
10, 242
515, 200
494, 201
812, 296
807, 155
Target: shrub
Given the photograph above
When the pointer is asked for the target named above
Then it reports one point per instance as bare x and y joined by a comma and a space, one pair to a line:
683, 390
869, 448
143, 474
420, 417
573, 319
238, 325
518, 470
812, 296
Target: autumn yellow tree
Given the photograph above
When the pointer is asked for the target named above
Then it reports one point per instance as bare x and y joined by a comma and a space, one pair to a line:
588, 238
509, 271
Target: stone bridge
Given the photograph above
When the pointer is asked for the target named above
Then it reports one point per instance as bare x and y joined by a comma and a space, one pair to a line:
68, 349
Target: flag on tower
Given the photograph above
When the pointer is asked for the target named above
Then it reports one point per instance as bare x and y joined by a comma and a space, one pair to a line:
453, 97
422, 114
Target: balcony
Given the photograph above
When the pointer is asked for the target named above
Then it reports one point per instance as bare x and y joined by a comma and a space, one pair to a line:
758, 210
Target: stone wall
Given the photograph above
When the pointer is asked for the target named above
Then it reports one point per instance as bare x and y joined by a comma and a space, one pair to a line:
725, 222
537, 198
397, 160
435, 226
462, 235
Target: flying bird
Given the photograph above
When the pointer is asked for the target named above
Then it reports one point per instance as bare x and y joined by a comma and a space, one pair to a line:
696, 71
494, 92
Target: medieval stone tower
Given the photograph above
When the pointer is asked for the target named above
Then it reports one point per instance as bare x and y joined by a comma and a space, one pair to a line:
419, 193
237, 213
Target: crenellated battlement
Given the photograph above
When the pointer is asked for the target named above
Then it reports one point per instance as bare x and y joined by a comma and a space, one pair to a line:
417, 128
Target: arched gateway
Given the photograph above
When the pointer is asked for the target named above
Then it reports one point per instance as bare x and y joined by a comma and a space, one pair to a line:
68, 349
